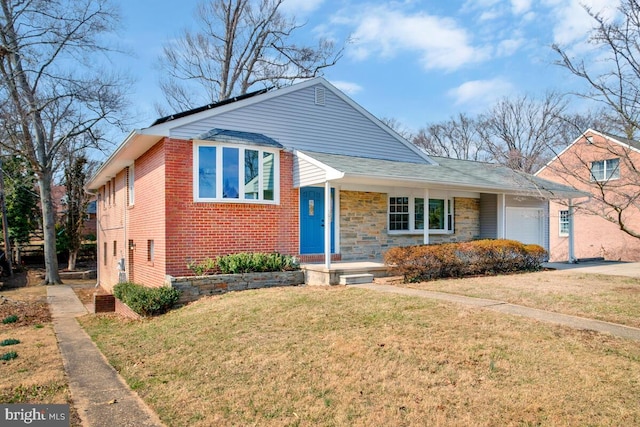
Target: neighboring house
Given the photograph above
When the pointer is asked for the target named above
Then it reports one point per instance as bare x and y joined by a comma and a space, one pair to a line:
302, 170
606, 167
59, 196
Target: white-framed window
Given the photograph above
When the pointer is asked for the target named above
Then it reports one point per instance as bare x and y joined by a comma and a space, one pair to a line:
406, 215
236, 173
563, 217
604, 170
130, 187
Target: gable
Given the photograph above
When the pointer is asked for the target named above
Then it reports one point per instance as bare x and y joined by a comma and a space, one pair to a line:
294, 119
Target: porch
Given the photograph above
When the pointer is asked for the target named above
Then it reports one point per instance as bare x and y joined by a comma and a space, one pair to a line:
343, 272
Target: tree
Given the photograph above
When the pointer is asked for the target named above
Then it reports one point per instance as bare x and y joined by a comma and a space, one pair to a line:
22, 200
237, 44
54, 88
77, 169
457, 138
395, 125
523, 132
612, 72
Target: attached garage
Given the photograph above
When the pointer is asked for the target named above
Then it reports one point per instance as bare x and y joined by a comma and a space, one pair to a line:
526, 225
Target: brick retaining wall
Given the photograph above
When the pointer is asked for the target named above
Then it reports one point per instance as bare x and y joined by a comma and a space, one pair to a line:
194, 287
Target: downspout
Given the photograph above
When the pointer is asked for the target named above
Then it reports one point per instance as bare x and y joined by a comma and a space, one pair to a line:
572, 257
327, 226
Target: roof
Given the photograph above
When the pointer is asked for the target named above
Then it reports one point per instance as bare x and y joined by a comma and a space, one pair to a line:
209, 106
238, 137
449, 173
629, 142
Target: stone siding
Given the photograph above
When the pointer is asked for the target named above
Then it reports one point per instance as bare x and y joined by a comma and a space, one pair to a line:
363, 225
195, 287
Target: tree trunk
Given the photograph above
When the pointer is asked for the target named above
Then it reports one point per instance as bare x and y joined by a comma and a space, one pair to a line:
73, 256
52, 276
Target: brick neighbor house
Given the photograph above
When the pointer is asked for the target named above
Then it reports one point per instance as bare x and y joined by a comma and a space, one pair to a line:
302, 170
602, 165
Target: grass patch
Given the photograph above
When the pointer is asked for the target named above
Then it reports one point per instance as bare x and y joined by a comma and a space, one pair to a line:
610, 298
344, 356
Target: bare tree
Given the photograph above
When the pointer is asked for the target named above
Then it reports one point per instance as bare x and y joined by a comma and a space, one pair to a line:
399, 128
523, 132
457, 138
612, 72
54, 88
237, 44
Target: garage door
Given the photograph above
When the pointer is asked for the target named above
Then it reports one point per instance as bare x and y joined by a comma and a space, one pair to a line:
525, 225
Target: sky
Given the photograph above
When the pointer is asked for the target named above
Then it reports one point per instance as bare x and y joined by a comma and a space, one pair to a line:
417, 62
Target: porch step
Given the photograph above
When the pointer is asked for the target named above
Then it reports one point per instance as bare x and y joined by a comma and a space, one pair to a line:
355, 279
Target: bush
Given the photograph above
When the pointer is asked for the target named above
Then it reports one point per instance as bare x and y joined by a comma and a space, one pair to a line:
426, 262
205, 267
146, 301
256, 263
9, 341
9, 356
10, 319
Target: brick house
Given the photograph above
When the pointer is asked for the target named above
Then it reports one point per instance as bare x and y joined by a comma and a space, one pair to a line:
267, 171
605, 166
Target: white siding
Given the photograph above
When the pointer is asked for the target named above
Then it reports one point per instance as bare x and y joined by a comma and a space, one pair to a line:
306, 173
297, 122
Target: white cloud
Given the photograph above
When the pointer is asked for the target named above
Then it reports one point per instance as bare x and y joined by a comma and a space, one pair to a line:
509, 46
349, 88
300, 7
520, 7
573, 23
439, 43
483, 92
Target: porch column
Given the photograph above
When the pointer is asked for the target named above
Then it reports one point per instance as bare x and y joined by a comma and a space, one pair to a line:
327, 225
572, 257
336, 219
502, 213
426, 217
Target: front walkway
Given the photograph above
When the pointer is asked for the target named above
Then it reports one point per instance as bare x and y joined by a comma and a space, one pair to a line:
101, 396
504, 307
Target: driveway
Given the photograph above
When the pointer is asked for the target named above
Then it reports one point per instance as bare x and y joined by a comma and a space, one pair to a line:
612, 268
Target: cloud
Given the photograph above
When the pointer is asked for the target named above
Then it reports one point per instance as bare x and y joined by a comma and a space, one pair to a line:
572, 23
347, 87
483, 92
439, 42
300, 7
520, 7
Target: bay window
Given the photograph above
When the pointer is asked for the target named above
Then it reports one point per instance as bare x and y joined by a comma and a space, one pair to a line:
407, 214
235, 173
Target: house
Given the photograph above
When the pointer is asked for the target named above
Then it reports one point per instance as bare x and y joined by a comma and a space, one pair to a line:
606, 167
302, 170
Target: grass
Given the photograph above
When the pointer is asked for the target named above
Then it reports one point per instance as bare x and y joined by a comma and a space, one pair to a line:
610, 298
37, 374
343, 356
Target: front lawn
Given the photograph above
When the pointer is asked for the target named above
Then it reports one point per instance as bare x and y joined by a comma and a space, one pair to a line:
610, 298
315, 356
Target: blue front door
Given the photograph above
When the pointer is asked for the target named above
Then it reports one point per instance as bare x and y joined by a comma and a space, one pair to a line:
312, 220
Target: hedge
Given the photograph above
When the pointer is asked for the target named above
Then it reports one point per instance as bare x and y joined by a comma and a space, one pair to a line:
146, 301
479, 257
245, 262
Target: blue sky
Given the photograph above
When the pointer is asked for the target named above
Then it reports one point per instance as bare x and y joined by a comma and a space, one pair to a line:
416, 61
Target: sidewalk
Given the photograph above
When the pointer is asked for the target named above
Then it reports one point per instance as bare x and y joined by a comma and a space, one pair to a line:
101, 396
504, 307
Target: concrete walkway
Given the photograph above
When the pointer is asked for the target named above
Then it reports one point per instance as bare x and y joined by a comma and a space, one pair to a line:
101, 396
504, 307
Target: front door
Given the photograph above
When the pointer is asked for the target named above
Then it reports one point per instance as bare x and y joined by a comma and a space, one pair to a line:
312, 220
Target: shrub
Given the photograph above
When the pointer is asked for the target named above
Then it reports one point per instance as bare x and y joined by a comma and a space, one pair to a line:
426, 262
203, 268
9, 341
9, 356
255, 263
146, 301
10, 319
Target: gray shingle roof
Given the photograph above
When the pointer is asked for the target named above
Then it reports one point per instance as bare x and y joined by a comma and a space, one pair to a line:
238, 137
449, 172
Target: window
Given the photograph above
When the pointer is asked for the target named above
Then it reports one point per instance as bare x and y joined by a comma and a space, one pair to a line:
104, 253
115, 248
113, 189
108, 190
605, 170
225, 173
564, 222
407, 213
130, 179
150, 250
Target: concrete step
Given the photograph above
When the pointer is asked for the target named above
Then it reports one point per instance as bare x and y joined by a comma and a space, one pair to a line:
356, 279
